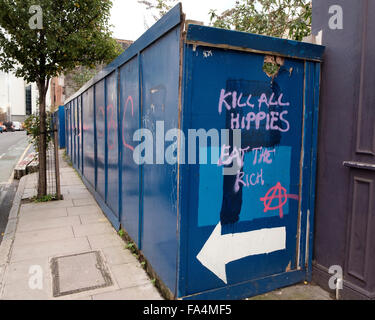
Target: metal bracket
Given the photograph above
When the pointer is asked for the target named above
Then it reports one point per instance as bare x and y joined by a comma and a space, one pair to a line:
359, 165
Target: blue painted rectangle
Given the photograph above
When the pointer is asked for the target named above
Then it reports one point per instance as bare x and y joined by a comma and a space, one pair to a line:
211, 179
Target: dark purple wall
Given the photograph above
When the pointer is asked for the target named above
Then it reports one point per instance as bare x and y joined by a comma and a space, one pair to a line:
345, 203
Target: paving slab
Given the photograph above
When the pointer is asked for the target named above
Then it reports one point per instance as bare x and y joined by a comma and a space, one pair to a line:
66, 189
32, 225
130, 275
118, 255
82, 210
23, 270
90, 218
37, 214
101, 241
45, 235
92, 229
21, 290
48, 205
78, 189
79, 202
79, 196
70, 182
50, 248
143, 292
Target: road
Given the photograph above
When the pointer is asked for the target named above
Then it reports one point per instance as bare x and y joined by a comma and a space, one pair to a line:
12, 147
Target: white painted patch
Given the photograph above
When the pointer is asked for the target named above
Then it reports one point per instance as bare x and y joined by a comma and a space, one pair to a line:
207, 53
222, 249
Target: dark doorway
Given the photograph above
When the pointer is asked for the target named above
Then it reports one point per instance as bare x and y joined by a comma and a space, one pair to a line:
345, 204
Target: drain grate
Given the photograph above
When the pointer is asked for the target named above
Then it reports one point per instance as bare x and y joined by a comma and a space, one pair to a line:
79, 272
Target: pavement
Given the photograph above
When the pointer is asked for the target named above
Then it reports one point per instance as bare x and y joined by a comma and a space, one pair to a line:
308, 291
68, 250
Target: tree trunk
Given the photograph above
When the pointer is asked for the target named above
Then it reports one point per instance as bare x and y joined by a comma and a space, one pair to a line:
42, 154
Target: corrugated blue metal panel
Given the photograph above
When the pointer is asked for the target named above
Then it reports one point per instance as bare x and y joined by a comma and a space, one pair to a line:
312, 79
160, 80
81, 136
314, 163
100, 138
79, 133
74, 131
61, 115
88, 146
68, 129
112, 144
130, 122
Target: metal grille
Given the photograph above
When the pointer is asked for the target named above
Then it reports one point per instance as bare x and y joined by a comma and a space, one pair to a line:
51, 169
52, 163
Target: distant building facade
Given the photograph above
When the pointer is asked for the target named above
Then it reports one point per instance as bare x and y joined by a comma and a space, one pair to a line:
18, 99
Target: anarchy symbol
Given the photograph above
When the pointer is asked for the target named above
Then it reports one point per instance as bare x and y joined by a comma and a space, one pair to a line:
277, 193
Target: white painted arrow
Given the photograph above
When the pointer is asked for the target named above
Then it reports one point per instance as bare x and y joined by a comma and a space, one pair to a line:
221, 249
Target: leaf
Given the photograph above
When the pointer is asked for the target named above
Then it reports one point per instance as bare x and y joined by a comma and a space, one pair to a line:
279, 18
74, 33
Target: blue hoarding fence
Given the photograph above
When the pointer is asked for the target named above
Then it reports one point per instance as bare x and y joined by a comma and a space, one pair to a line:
61, 126
58, 117
203, 157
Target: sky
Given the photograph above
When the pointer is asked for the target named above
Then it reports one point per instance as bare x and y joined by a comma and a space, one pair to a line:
129, 17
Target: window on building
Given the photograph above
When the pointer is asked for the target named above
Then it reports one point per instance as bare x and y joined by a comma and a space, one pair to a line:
28, 100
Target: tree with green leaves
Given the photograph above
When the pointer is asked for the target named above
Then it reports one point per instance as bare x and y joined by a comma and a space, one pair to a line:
158, 8
42, 39
279, 18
